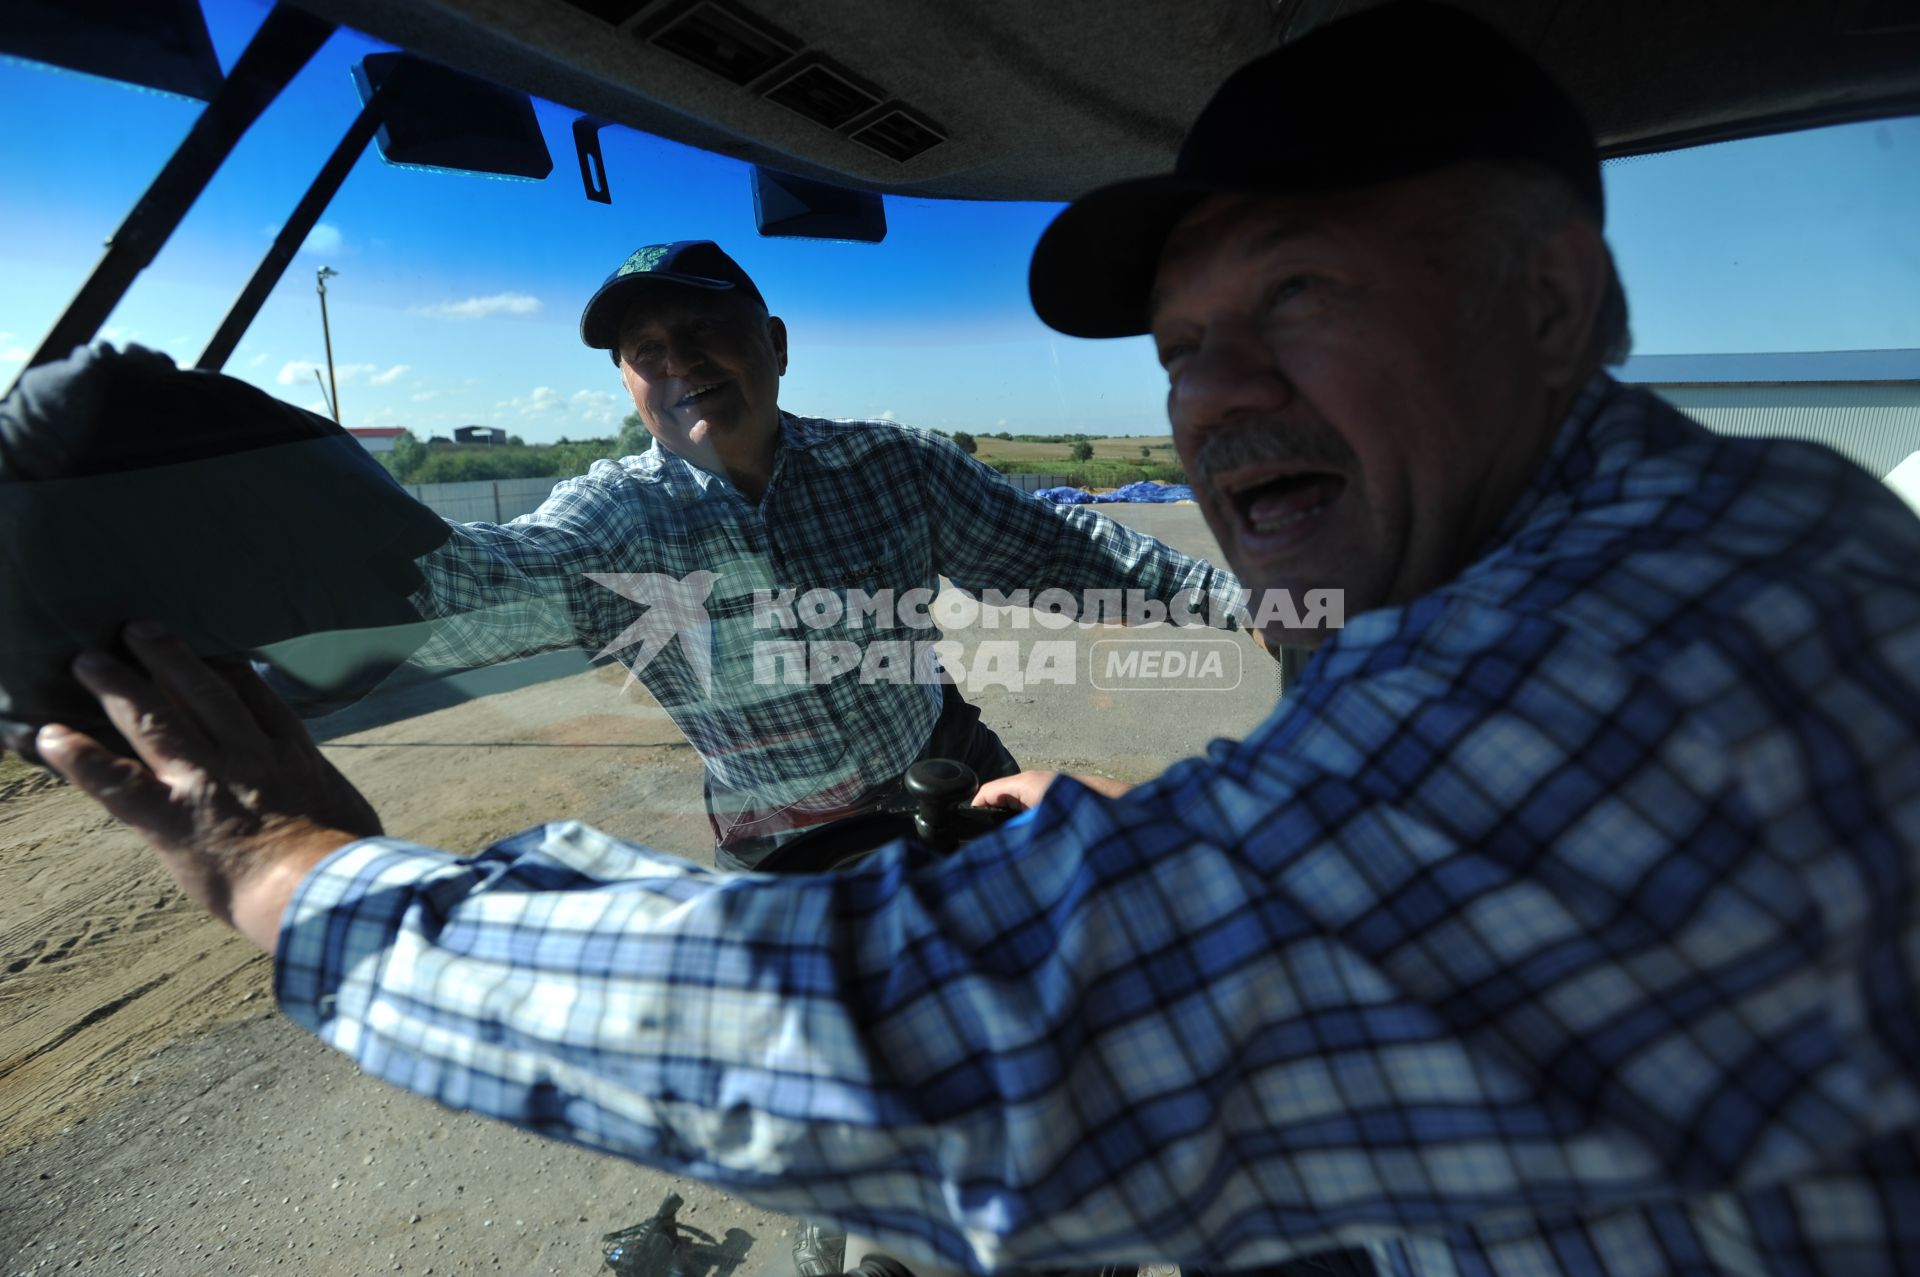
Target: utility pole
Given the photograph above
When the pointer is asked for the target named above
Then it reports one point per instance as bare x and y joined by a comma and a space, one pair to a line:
320, 278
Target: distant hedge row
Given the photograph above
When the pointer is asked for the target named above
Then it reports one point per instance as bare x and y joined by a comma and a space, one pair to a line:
540, 461
412, 462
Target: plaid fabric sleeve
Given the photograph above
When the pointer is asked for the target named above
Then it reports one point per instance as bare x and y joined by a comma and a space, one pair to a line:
500, 591
1464, 938
993, 536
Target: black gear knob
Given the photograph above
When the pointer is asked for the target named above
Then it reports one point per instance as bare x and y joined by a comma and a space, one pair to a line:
941, 789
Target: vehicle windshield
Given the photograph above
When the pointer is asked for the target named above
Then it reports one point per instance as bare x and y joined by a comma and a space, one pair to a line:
1771, 282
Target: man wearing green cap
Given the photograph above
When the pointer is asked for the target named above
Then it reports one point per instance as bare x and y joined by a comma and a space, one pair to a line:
1562, 919
747, 535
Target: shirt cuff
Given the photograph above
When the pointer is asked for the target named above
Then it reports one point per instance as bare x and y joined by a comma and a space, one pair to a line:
341, 923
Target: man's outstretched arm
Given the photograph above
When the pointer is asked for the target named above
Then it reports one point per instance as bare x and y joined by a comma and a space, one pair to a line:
500, 591
1222, 1018
994, 536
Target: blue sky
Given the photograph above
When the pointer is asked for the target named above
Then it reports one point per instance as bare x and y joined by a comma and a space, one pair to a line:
458, 297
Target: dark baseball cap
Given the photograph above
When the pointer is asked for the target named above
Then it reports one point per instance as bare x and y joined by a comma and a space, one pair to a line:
1393, 92
689, 263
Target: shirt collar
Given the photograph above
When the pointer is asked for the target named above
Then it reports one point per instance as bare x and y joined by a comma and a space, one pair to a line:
796, 434
1571, 458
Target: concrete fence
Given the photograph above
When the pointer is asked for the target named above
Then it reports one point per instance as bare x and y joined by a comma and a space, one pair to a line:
498, 500
484, 501
1035, 482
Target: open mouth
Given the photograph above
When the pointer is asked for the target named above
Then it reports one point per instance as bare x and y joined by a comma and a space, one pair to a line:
701, 393
1282, 509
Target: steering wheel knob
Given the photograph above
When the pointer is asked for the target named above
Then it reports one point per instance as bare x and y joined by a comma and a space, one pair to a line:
940, 789
942, 782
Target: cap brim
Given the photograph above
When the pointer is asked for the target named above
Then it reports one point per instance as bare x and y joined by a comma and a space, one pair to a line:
600, 321
1093, 269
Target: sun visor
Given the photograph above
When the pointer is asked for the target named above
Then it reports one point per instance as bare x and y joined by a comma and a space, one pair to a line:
233, 543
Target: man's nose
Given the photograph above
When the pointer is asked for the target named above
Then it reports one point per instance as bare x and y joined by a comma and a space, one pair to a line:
681, 355
1232, 374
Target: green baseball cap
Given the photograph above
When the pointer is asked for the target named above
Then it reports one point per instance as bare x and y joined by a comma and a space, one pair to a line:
689, 263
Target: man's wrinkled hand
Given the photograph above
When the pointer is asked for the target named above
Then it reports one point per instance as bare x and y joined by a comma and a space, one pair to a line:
228, 787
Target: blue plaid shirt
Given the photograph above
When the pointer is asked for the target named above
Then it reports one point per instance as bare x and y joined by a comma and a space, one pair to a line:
853, 506
1561, 920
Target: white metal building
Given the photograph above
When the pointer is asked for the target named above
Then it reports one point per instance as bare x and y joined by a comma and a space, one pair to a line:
1866, 403
376, 438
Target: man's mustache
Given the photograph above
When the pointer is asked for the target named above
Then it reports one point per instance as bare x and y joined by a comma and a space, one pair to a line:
1267, 444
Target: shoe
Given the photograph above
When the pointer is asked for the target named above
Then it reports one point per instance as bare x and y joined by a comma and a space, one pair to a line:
819, 1251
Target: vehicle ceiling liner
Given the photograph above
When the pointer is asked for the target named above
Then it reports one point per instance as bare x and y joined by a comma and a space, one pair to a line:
1007, 99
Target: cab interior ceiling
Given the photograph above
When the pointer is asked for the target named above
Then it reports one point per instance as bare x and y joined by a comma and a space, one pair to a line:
1043, 99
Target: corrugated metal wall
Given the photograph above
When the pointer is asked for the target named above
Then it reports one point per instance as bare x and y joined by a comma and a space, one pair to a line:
1878, 426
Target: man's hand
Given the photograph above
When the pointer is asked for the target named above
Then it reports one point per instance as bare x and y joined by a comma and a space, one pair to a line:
228, 787
1024, 789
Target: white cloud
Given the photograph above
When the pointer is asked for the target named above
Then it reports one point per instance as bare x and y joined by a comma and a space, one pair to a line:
598, 406
301, 371
485, 307
323, 239
319, 406
391, 375
257, 360
295, 370
887, 415
425, 395
538, 402
114, 333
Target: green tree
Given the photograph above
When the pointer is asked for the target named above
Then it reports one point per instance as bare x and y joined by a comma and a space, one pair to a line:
1146, 452
633, 437
405, 457
1082, 450
966, 441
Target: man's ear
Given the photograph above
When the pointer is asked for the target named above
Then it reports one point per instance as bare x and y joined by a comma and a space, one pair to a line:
777, 333
1567, 286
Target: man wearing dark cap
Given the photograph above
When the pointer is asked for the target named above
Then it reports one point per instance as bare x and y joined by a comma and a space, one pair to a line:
739, 503
1560, 920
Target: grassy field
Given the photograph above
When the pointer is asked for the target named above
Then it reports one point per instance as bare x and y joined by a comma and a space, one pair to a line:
1115, 461
1160, 449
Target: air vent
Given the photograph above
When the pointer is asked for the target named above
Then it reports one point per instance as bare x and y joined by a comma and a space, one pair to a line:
823, 94
1877, 17
615, 12
730, 44
899, 135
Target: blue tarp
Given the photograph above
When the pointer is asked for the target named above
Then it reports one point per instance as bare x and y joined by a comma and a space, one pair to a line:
1150, 492
1143, 491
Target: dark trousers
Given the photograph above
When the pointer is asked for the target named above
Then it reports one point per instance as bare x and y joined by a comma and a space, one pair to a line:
958, 734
